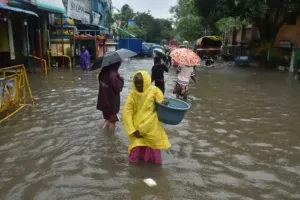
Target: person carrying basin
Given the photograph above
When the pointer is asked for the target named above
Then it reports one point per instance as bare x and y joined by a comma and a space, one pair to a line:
147, 136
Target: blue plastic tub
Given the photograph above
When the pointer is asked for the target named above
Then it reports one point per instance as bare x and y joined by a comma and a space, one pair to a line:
172, 113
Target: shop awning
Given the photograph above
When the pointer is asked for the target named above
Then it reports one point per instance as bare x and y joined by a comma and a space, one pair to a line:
81, 26
52, 6
4, 7
89, 26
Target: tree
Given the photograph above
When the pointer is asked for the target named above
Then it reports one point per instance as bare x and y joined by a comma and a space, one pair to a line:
267, 15
190, 27
182, 9
156, 29
227, 23
164, 29
137, 31
127, 13
147, 27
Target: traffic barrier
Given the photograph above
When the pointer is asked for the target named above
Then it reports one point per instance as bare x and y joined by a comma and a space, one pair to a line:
43, 60
15, 91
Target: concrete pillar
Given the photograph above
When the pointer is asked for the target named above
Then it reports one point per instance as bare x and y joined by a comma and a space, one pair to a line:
11, 40
292, 61
44, 28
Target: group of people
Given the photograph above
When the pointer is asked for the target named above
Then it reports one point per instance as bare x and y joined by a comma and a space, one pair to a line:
146, 134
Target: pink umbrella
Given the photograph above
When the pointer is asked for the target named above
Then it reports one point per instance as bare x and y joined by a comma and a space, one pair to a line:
185, 57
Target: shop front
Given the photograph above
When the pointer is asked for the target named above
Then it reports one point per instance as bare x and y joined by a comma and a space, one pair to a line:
14, 40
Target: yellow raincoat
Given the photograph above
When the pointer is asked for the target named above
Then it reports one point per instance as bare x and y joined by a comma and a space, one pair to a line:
140, 114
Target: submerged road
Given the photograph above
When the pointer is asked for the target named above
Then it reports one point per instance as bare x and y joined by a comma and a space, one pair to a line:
240, 141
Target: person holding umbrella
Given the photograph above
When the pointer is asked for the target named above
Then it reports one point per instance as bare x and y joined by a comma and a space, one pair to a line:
187, 59
110, 86
159, 53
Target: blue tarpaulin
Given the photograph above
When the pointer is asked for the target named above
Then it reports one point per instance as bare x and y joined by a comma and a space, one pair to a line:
5, 7
132, 44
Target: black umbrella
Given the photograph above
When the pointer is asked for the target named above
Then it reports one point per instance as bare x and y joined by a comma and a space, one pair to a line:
113, 57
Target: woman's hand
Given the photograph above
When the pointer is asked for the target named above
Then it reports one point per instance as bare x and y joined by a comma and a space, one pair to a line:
165, 102
137, 134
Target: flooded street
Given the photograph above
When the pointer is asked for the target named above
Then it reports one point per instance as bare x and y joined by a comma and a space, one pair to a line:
240, 141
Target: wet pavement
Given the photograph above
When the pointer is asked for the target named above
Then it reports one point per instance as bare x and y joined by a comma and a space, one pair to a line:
240, 141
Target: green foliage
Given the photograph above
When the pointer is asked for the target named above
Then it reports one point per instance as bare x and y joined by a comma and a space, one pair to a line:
190, 27
137, 31
127, 13
183, 8
156, 29
229, 22
263, 13
147, 27
117, 16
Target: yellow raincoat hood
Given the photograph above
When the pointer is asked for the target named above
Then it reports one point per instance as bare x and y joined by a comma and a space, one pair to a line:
147, 82
140, 114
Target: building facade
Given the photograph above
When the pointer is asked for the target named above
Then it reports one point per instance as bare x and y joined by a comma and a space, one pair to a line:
27, 31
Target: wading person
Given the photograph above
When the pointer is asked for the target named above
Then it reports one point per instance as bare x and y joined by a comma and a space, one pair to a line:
168, 58
185, 73
157, 75
85, 59
110, 87
146, 134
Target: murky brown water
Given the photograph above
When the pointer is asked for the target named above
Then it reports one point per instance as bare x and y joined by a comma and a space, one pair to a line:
240, 141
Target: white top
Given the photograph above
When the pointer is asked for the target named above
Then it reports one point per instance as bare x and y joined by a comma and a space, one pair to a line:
185, 74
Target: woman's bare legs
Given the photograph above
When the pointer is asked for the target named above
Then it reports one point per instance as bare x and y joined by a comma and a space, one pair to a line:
105, 124
111, 127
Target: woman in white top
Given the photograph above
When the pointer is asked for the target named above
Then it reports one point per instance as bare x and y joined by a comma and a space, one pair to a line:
183, 79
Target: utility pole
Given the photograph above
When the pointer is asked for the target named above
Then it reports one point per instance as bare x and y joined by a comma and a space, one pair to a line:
206, 29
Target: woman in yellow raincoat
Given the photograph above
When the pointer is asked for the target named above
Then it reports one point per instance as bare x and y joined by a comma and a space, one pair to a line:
146, 134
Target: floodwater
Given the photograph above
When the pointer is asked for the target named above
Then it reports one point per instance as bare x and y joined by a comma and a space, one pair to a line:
240, 141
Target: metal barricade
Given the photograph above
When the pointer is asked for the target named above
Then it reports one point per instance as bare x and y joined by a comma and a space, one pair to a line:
43, 60
15, 91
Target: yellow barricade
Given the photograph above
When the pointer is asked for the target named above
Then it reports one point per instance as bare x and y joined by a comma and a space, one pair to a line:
43, 60
15, 91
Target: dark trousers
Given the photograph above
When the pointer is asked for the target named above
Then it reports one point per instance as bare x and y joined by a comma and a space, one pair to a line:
169, 60
160, 84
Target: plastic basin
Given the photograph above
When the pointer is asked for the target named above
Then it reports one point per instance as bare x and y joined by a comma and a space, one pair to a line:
173, 113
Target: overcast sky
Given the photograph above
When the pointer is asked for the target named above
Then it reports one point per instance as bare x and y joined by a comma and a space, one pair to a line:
158, 8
